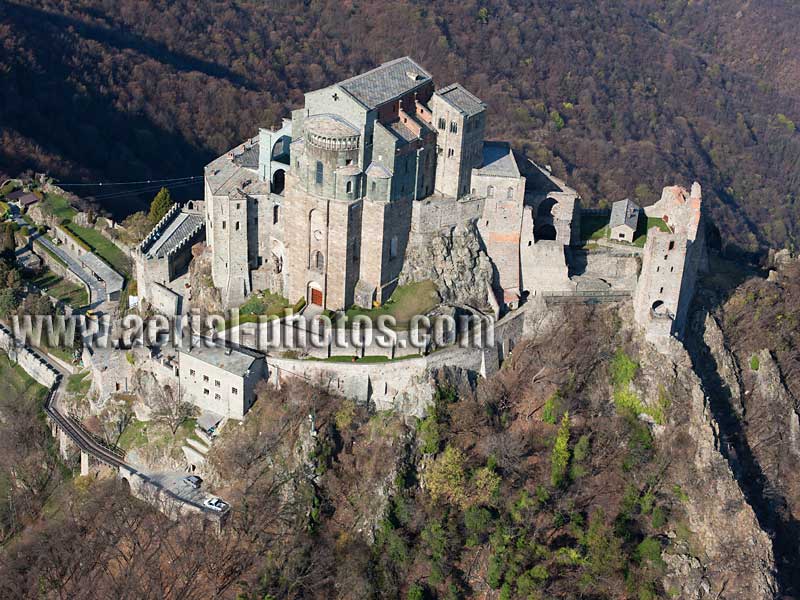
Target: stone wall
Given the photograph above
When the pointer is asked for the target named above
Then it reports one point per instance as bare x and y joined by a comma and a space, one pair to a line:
27, 358
407, 385
57, 267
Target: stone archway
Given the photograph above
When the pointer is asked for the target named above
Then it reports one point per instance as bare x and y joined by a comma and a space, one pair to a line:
278, 181
314, 294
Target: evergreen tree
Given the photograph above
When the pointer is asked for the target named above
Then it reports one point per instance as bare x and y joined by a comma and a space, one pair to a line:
160, 205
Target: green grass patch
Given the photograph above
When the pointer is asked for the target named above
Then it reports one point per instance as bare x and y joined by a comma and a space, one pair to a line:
406, 301
79, 383
102, 246
58, 206
139, 434
264, 304
594, 227
646, 225
61, 289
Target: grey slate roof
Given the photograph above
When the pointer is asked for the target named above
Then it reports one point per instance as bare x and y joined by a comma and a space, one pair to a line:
248, 158
379, 171
113, 280
183, 226
624, 212
28, 199
233, 360
387, 82
461, 99
498, 160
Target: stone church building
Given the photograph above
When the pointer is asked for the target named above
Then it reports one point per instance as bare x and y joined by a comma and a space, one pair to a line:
323, 207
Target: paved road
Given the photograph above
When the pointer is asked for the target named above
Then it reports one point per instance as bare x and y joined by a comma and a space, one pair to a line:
97, 290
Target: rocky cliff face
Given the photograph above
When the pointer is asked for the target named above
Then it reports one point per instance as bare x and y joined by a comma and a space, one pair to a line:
205, 297
728, 554
455, 262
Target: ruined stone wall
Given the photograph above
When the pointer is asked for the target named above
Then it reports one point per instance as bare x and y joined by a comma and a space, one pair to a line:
670, 264
434, 215
500, 228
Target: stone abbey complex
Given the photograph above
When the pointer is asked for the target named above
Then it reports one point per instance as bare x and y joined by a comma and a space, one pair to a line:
384, 179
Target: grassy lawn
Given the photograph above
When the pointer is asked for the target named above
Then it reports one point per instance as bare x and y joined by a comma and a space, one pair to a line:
60, 288
406, 302
645, 226
8, 188
79, 383
58, 206
263, 304
139, 434
594, 227
103, 247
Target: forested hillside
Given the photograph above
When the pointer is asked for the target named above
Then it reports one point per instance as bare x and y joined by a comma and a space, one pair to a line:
621, 97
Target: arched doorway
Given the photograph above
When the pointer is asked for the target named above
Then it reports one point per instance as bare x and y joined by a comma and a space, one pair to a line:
315, 294
544, 232
278, 181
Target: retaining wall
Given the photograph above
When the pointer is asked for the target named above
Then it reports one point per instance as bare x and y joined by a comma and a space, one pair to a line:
36, 366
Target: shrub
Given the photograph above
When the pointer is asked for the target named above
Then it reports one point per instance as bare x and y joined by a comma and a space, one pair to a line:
477, 521
580, 454
649, 550
659, 518
550, 408
415, 592
446, 478
494, 572
486, 484
429, 434
345, 415
623, 368
559, 461
754, 363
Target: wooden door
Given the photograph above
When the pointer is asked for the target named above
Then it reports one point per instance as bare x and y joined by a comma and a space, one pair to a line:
316, 297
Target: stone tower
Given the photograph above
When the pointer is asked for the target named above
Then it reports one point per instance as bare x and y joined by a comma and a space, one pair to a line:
459, 120
323, 212
670, 263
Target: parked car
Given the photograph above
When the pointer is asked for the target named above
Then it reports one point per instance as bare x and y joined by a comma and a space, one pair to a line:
216, 504
193, 481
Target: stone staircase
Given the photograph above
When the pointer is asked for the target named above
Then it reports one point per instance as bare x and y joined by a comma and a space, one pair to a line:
196, 448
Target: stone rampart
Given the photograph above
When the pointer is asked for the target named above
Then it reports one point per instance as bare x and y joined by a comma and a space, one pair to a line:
27, 358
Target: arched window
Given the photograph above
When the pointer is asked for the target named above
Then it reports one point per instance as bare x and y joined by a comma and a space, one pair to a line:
490, 191
393, 247
510, 194
275, 214
237, 226
373, 186
318, 261
319, 173
349, 187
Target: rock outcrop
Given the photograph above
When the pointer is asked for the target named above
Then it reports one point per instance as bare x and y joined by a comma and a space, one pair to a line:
728, 554
455, 262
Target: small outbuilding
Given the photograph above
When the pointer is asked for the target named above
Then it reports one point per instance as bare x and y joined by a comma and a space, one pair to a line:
27, 200
624, 220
